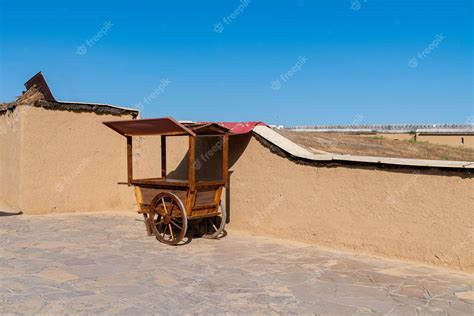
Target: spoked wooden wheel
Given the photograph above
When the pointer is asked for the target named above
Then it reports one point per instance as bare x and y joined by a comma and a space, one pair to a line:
168, 220
214, 226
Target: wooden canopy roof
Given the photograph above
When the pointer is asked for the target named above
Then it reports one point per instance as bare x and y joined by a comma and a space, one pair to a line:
165, 126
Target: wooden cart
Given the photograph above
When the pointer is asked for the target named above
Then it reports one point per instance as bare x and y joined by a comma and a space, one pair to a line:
175, 208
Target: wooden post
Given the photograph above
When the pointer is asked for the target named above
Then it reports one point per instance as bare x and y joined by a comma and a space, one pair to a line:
192, 163
163, 156
225, 158
129, 160
225, 174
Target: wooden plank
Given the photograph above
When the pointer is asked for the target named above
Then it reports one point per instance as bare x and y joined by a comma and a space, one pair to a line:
163, 156
148, 194
190, 201
225, 158
157, 126
202, 184
154, 134
161, 186
192, 163
161, 181
129, 160
205, 196
138, 195
202, 214
150, 182
217, 198
210, 206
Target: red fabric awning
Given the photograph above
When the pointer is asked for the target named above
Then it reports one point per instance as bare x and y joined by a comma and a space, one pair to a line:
240, 127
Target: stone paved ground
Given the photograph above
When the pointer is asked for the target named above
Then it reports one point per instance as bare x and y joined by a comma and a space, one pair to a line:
105, 264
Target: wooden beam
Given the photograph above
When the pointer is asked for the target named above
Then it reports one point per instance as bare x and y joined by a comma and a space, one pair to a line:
225, 158
163, 157
129, 160
192, 163
217, 198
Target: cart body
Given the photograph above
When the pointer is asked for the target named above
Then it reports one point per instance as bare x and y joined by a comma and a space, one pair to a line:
171, 206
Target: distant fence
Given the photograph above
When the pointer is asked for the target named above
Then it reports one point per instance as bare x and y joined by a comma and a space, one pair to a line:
391, 128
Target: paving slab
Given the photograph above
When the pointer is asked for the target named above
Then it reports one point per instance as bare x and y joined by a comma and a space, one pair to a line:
84, 264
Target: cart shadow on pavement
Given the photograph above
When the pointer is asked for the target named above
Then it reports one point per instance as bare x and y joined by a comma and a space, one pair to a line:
190, 235
10, 214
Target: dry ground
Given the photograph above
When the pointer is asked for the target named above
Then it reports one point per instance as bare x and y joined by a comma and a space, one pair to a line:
367, 145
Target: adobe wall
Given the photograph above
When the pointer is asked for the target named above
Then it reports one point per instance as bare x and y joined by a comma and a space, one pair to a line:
71, 163
440, 139
424, 216
450, 140
10, 157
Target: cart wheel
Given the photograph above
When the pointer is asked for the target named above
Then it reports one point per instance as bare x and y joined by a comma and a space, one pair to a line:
169, 221
215, 225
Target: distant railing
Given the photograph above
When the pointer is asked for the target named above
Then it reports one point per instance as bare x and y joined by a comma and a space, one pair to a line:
402, 128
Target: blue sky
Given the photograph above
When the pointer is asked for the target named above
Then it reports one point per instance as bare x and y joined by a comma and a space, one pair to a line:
336, 62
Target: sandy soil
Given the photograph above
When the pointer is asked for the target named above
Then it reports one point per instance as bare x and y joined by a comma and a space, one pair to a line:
366, 145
